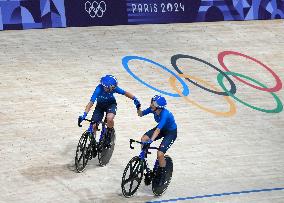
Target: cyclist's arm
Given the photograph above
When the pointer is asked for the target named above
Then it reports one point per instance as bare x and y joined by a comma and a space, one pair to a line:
125, 93
96, 93
120, 91
155, 134
129, 95
163, 120
160, 126
89, 106
93, 99
145, 112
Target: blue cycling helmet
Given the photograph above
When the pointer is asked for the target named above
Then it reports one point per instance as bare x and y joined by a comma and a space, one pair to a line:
109, 81
159, 101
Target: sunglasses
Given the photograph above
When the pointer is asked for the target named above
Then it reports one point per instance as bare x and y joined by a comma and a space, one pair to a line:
109, 89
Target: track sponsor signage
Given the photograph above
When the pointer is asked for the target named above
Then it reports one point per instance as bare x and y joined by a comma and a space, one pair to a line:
158, 11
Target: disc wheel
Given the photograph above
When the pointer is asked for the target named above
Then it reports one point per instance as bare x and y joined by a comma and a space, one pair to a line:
159, 190
105, 148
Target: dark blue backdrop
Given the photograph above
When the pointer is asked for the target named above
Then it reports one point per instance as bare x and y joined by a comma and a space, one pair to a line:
25, 14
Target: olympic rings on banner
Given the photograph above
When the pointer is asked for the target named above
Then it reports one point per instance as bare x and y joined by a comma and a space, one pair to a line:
125, 61
174, 59
276, 88
279, 106
232, 110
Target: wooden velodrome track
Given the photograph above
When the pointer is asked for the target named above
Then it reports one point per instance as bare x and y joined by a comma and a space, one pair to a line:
48, 76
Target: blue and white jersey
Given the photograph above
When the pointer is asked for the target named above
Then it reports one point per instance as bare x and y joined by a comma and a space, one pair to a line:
165, 119
104, 97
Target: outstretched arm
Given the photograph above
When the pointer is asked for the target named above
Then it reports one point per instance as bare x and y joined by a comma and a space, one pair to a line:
135, 100
129, 95
143, 113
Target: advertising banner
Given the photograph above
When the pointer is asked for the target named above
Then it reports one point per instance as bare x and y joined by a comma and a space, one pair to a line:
95, 12
161, 11
172, 11
25, 14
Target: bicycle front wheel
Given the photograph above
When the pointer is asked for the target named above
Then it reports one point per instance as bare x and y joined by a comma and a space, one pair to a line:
82, 153
132, 176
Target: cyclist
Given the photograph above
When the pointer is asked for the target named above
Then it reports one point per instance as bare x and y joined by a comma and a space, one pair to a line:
106, 102
166, 129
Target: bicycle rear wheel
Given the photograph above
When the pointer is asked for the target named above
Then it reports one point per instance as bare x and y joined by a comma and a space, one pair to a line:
159, 190
83, 152
106, 147
132, 176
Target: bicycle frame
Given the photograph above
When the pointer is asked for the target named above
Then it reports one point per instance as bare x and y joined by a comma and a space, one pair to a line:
135, 170
90, 129
89, 146
144, 152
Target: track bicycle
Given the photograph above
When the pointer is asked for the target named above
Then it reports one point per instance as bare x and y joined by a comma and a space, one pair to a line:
88, 148
134, 172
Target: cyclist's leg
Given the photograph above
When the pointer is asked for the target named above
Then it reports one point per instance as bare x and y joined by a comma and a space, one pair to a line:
147, 136
111, 112
168, 140
110, 120
97, 117
161, 158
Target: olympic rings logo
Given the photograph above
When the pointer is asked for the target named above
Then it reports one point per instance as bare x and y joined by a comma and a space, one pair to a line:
228, 94
95, 9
